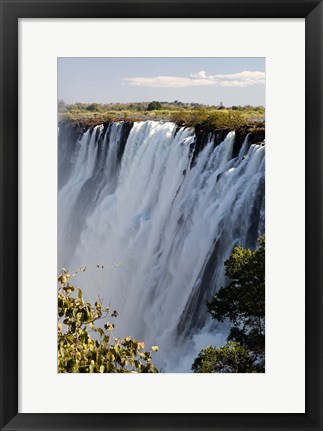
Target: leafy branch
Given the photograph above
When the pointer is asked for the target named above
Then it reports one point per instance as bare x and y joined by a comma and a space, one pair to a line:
78, 352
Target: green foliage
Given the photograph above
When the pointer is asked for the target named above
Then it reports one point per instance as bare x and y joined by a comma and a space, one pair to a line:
94, 107
211, 118
186, 114
226, 119
78, 352
242, 301
231, 358
154, 106
197, 116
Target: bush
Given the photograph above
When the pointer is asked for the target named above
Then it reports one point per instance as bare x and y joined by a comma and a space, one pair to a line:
154, 106
94, 107
78, 352
231, 358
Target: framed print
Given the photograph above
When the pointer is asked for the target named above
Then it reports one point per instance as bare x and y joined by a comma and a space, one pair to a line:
133, 140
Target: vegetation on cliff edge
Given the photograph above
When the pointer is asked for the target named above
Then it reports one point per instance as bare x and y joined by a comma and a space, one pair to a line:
184, 114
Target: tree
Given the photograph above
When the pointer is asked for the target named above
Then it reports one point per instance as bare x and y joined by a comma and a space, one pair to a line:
78, 352
154, 106
231, 358
242, 301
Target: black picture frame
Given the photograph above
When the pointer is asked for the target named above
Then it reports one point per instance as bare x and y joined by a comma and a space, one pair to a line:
11, 11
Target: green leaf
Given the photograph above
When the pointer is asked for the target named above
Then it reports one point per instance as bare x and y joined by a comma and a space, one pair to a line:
78, 352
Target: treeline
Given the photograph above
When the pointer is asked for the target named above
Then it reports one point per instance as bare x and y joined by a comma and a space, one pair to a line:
154, 105
184, 114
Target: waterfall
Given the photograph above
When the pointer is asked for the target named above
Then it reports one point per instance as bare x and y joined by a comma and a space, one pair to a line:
160, 211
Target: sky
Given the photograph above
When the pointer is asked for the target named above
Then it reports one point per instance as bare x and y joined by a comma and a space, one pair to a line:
230, 80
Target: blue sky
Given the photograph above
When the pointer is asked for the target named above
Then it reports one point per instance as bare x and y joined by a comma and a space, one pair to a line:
232, 81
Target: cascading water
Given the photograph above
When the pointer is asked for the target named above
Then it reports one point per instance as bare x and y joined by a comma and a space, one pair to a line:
161, 218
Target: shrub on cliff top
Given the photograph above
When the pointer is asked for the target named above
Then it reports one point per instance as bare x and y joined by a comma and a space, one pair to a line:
154, 106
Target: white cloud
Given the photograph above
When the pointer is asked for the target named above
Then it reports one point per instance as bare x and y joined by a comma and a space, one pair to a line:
167, 81
200, 79
201, 74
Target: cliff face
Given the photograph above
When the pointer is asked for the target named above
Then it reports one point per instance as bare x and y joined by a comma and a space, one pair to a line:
256, 136
256, 132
